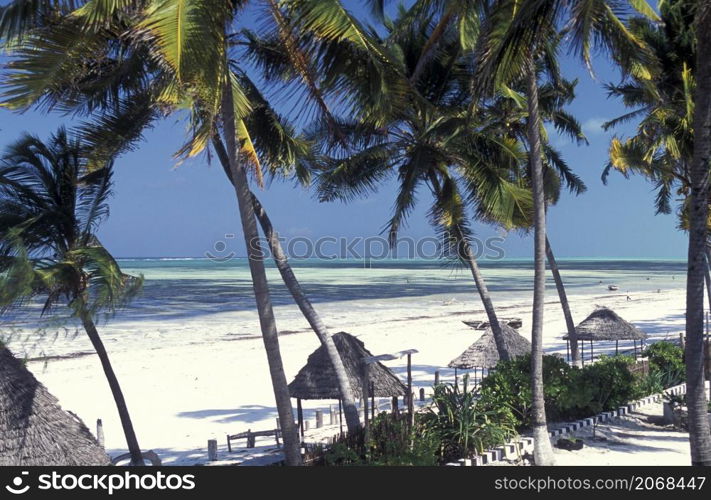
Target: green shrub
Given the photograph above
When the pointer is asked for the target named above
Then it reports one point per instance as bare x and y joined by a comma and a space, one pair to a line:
601, 386
462, 426
667, 359
509, 386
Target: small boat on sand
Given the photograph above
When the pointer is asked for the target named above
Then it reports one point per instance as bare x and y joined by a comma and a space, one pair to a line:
613, 288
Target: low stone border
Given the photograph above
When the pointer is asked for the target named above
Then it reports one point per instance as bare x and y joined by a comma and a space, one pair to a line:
516, 449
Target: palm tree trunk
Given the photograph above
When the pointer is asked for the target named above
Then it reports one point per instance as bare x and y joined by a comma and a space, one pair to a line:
431, 44
707, 275
570, 325
300, 298
699, 434
131, 440
543, 452
349, 407
467, 255
267, 321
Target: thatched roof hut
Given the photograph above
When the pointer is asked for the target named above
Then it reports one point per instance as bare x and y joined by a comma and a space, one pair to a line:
606, 324
34, 430
317, 379
483, 352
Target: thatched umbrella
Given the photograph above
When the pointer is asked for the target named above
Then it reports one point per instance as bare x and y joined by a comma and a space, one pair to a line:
605, 324
34, 430
484, 354
317, 379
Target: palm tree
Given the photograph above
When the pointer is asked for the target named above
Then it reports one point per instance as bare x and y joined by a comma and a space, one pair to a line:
51, 206
665, 150
126, 67
515, 37
431, 141
509, 111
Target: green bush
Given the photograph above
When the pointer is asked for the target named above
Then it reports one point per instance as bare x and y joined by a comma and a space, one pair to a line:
601, 386
509, 386
391, 441
667, 360
461, 426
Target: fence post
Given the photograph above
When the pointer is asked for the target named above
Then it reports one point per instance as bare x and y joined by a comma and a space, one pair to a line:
100, 432
436, 377
422, 393
319, 419
212, 450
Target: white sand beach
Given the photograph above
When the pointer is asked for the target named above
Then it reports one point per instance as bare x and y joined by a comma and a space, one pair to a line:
190, 380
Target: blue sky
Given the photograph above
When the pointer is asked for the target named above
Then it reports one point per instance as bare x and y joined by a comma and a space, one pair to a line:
160, 209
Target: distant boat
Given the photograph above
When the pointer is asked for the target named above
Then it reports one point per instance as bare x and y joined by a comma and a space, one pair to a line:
612, 288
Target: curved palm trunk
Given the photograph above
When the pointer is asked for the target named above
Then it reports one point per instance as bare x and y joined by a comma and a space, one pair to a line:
470, 260
570, 325
467, 255
307, 309
267, 321
280, 259
543, 452
707, 276
131, 440
699, 434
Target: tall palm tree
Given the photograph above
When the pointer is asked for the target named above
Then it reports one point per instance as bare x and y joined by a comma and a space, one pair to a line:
132, 62
51, 206
515, 36
433, 141
665, 150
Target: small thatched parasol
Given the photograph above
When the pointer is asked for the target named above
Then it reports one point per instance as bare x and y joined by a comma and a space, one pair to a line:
34, 430
317, 379
606, 324
483, 352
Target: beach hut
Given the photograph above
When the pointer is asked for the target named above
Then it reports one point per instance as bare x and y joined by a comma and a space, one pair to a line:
317, 379
34, 429
483, 353
604, 324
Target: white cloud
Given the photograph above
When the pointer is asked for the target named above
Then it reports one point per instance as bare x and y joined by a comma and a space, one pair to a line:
593, 126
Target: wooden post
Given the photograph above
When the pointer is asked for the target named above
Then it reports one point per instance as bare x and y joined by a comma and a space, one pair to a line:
592, 352
307, 424
617, 347
340, 415
422, 393
456, 379
212, 450
372, 400
365, 400
394, 405
100, 432
681, 340
635, 348
567, 350
251, 439
436, 377
331, 415
319, 419
410, 402
300, 414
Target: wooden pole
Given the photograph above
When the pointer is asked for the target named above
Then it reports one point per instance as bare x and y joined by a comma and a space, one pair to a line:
300, 416
340, 414
436, 382
410, 402
422, 393
212, 450
394, 405
567, 350
365, 399
592, 353
456, 379
372, 400
319, 419
100, 432
617, 347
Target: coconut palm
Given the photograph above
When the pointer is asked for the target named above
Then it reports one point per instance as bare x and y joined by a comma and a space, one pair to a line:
508, 111
432, 142
663, 151
51, 206
127, 59
515, 37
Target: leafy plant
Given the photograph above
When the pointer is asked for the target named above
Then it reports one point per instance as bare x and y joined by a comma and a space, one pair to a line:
668, 360
462, 426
